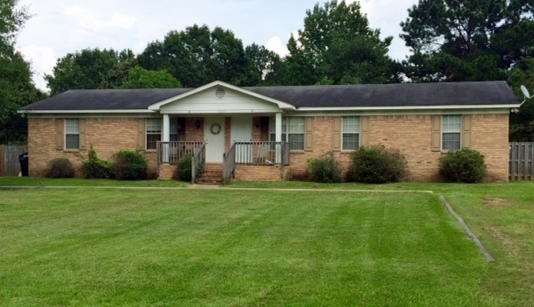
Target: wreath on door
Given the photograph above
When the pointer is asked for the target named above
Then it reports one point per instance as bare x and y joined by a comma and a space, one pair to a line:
215, 129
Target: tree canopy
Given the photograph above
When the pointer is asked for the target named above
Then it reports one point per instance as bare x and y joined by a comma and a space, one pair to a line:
337, 44
139, 77
470, 40
16, 85
90, 69
522, 122
198, 56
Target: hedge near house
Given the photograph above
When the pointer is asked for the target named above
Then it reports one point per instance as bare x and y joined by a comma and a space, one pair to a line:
466, 165
129, 165
377, 164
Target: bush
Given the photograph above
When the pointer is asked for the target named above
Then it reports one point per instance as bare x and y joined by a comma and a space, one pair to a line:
95, 168
129, 165
377, 164
464, 165
184, 171
324, 169
60, 168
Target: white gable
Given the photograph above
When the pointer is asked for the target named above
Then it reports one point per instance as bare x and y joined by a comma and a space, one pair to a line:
219, 97
219, 100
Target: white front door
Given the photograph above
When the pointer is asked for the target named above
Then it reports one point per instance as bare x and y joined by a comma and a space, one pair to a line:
214, 139
242, 132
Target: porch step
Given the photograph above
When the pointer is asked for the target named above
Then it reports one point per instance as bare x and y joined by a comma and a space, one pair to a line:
212, 174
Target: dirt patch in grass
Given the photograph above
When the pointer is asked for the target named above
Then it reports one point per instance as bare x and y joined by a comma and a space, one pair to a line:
507, 242
496, 202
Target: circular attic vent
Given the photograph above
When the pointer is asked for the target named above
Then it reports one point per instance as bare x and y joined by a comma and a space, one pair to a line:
219, 93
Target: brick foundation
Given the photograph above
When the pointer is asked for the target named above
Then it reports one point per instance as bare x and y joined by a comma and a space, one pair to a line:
259, 173
166, 171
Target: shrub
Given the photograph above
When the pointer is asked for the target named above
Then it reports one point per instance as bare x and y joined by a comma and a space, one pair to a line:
377, 164
129, 165
95, 168
324, 169
466, 165
184, 171
60, 168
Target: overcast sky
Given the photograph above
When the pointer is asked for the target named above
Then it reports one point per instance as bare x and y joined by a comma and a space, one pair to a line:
59, 27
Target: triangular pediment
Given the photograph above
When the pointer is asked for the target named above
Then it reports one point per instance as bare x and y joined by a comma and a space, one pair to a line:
220, 97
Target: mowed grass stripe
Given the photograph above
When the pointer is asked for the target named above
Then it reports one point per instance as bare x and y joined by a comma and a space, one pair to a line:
199, 247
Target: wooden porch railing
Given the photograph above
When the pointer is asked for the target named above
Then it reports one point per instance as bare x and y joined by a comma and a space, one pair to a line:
198, 162
229, 164
170, 152
262, 153
257, 154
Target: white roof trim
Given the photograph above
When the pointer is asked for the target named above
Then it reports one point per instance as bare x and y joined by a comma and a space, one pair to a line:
306, 109
83, 111
499, 106
281, 104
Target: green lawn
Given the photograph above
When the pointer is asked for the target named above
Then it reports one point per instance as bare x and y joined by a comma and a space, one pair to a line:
85, 246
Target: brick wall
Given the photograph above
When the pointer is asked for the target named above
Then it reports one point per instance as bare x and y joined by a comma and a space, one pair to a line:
166, 171
107, 135
258, 173
409, 133
489, 135
192, 133
412, 135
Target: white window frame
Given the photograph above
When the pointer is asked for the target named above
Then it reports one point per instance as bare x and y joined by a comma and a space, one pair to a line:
72, 128
286, 124
345, 131
448, 128
151, 128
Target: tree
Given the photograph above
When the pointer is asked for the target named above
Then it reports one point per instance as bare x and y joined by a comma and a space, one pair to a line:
337, 44
260, 65
90, 69
198, 56
12, 19
141, 78
522, 122
118, 74
16, 86
467, 40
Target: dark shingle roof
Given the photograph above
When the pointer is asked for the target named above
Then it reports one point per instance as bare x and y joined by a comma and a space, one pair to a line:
77, 100
393, 95
366, 95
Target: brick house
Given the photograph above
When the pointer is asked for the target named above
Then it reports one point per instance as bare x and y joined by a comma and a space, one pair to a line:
269, 133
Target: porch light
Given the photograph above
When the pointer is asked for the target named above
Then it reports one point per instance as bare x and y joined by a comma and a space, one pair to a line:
197, 123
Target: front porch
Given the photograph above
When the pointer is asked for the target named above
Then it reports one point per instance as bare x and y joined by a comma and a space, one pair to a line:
244, 161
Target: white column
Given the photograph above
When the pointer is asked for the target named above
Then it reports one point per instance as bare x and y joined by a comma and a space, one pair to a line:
165, 136
166, 128
278, 136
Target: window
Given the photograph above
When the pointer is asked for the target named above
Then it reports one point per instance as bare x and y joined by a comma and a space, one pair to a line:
173, 134
72, 134
153, 132
292, 132
351, 133
451, 132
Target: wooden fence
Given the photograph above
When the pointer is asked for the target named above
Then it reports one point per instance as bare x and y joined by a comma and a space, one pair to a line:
521, 160
9, 159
